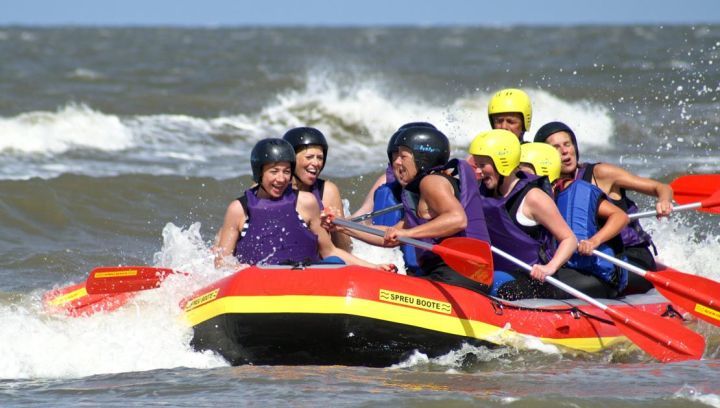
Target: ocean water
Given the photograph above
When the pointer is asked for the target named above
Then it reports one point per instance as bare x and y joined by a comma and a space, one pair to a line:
125, 145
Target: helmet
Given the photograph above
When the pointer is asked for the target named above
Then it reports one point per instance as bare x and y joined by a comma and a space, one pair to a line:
511, 100
551, 128
501, 145
392, 148
300, 137
270, 151
430, 147
543, 157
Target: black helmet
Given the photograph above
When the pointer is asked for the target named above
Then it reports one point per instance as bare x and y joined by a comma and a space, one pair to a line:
307, 136
392, 147
430, 146
270, 151
550, 129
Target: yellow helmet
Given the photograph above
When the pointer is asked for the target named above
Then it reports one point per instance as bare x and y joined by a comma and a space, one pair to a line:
501, 145
543, 157
511, 100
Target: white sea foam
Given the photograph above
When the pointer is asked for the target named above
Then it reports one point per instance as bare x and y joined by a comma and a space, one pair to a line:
147, 333
357, 118
72, 127
591, 122
691, 393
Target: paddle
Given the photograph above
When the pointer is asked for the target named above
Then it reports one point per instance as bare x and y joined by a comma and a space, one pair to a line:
696, 294
662, 338
710, 204
75, 301
697, 187
118, 279
377, 213
469, 257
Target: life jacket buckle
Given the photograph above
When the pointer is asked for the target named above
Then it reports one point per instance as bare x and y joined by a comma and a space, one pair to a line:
575, 313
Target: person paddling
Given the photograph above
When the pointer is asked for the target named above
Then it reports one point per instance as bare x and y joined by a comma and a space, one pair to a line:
440, 200
311, 150
386, 192
613, 181
274, 224
594, 220
525, 221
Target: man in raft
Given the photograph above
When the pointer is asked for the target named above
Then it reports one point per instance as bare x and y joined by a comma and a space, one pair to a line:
614, 182
386, 192
272, 223
440, 200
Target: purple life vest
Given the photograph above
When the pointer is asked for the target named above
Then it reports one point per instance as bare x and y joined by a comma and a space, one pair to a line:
532, 245
462, 178
275, 234
633, 233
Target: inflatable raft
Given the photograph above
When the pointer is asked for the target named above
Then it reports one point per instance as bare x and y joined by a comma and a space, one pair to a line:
350, 315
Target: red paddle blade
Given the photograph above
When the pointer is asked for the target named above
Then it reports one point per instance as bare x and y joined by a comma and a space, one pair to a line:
469, 257
75, 301
118, 279
698, 187
712, 203
696, 184
665, 339
696, 294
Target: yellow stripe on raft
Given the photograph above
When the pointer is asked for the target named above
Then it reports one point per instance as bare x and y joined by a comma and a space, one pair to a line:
381, 311
116, 274
69, 297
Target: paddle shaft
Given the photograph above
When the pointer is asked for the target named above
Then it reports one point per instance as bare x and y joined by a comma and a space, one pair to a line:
470, 257
377, 213
381, 233
683, 207
617, 316
667, 283
558, 284
619, 262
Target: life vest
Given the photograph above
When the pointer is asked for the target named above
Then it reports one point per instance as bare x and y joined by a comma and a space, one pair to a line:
532, 245
633, 234
578, 204
462, 178
386, 196
275, 232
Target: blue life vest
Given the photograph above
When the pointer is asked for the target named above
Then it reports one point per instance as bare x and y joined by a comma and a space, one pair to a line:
462, 178
578, 204
275, 232
633, 234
